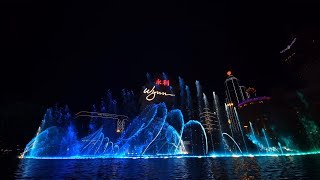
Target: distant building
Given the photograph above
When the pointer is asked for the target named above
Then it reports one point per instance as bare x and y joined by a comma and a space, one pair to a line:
251, 92
235, 94
210, 123
258, 117
257, 111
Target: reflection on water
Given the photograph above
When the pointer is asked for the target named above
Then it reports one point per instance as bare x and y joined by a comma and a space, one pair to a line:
297, 167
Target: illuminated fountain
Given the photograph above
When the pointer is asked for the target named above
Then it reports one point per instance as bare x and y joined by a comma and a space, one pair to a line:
265, 137
158, 131
310, 126
240, 127
189, 103
256, 140
199, 96
217, 110
235, 143
204, 142
154, 132
208, 120
280, 147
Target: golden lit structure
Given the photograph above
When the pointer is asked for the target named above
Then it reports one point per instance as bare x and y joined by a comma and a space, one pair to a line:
120, 118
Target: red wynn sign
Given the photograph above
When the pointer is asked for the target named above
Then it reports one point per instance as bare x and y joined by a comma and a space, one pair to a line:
162, 82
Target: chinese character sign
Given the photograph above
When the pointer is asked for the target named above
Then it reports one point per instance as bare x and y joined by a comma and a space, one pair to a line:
162, 82
166, 82
158, 82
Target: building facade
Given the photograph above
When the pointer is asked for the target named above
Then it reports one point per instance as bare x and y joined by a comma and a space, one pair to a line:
235, 93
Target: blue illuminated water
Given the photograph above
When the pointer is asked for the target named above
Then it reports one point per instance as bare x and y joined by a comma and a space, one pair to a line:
281, 167
161, 143
157, 130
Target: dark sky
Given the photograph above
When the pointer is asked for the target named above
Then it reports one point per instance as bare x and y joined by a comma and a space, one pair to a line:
73, 52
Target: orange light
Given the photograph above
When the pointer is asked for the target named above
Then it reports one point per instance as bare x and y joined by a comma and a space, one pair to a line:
118, 130
229, 73
230, 104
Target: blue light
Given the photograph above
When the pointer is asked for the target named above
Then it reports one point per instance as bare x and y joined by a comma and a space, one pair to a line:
151, 133
156, 133
178, 156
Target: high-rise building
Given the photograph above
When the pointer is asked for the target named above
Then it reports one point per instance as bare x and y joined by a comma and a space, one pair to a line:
258, 111
259, 120
207, 119
235, 94
210, 123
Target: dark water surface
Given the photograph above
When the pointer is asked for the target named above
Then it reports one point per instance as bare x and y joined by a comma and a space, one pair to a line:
292, 167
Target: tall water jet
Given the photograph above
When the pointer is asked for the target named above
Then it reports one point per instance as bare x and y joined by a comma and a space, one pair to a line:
252, 131
240, 127
189, 110
32, 143
164, 76
233, 141
175, 119
162, 125
45, 123
205, 100
200, 107
193, 122
182, 94
280, 147
203, 146
189, 103
199, 96
217, 110
265, 137
254, 136
207, 119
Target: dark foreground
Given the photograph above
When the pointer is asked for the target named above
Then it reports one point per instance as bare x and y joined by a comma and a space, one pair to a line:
292, 167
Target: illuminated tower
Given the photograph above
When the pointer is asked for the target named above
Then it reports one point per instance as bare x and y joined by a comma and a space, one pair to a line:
210, 123
235, 94
207, 119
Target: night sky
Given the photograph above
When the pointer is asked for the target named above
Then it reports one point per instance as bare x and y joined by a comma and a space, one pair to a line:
71, 53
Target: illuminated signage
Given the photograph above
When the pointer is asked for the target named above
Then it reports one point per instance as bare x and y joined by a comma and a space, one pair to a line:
162, 82
151, 93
